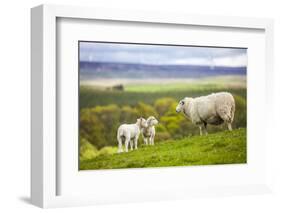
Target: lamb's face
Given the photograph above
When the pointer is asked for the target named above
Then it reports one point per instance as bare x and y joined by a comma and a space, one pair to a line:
142, 123
152, 121
181, 105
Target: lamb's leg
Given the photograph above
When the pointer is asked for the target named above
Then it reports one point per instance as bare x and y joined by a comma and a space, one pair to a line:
136, 142
145, 141
119, 145
131, 144
127, 140
152, 140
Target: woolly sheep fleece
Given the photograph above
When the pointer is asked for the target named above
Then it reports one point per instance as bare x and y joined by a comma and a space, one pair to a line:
214, 109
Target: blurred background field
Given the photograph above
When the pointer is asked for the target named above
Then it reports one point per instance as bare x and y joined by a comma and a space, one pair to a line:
104, 108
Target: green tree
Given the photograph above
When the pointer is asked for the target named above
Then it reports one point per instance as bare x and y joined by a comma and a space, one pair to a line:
163, 105
128, 114
145, 110
109, 116
91, 128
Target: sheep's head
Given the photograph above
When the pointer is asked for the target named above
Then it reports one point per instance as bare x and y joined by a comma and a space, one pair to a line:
183, 103
151, 121
142, 123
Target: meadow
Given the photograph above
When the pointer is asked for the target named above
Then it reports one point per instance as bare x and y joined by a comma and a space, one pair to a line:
104, 108
218, 148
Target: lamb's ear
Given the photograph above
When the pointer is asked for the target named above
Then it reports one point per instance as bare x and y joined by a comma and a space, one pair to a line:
148, 120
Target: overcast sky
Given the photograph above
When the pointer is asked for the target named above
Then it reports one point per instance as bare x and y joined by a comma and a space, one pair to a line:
162, 54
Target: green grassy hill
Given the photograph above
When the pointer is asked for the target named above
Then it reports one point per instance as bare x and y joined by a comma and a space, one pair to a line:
218, 148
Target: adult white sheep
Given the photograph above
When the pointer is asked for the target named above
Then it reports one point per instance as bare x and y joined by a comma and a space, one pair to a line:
130, 133
148, 133
214, 109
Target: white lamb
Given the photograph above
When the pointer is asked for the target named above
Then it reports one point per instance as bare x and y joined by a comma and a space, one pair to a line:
130, 133
215, 109
148, 133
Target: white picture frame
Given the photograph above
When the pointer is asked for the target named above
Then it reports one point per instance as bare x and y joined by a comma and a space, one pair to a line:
44, 153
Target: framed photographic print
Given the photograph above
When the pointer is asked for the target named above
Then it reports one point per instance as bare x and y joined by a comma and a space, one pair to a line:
148, 105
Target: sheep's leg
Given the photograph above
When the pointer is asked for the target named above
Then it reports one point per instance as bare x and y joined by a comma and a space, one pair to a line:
227, 119
200, 129
205, 128
229, 126
127, 140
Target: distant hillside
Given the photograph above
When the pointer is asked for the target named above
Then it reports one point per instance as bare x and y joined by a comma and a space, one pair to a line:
93, 70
